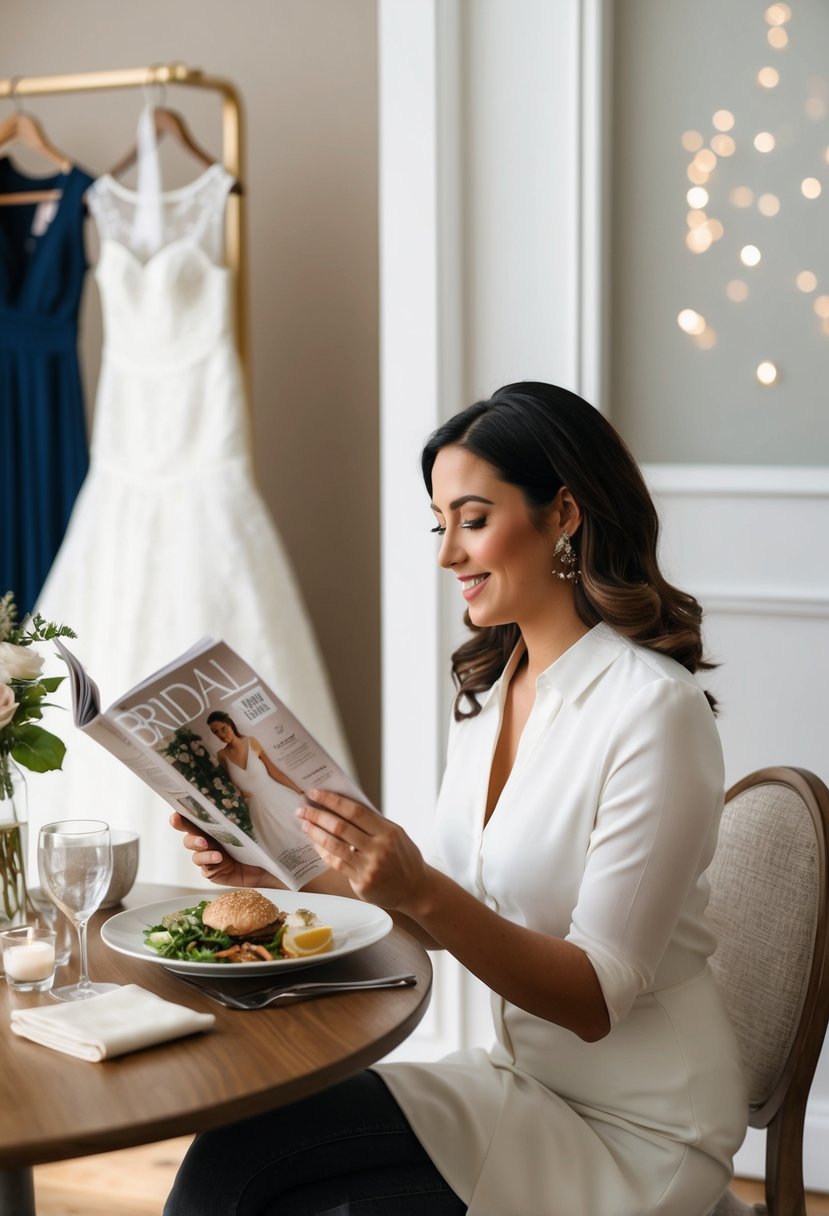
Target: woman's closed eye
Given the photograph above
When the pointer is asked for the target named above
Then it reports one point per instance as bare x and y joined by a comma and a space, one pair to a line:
473, 524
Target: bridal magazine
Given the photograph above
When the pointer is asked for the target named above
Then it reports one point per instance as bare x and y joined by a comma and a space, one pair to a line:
208, 735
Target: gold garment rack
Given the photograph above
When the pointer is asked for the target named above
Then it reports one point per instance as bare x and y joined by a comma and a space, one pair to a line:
232, 154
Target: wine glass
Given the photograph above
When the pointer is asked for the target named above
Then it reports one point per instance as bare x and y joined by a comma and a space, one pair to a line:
74, 859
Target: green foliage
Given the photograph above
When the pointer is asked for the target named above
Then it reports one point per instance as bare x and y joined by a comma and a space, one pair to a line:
20, 735
38, 749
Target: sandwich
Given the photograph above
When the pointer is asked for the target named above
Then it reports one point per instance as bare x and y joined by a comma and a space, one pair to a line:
260, 932
249, 919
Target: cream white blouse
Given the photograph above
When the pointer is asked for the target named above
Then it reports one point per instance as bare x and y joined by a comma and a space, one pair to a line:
601, 836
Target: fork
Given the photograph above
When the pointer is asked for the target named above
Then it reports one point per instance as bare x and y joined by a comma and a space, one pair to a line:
261, 999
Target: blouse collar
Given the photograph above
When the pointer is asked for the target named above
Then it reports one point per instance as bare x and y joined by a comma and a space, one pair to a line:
573, 672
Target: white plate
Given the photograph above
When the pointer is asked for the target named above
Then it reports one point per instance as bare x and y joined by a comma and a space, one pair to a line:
355, 925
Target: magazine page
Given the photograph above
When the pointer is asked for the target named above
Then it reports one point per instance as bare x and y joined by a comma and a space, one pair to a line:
209, 736
248, 762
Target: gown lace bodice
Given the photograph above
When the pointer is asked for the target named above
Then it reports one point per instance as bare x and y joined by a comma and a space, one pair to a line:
193, 213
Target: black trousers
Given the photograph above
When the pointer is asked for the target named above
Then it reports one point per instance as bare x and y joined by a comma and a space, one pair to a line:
348, 1151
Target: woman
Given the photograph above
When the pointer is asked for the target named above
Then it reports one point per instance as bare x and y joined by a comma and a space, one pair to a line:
578, 813
271, 796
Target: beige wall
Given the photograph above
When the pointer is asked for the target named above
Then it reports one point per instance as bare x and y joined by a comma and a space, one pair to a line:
307, 73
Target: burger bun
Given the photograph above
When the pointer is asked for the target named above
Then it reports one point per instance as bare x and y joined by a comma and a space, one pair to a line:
243, 913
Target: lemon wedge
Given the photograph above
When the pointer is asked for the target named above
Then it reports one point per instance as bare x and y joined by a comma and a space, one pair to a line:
299, 943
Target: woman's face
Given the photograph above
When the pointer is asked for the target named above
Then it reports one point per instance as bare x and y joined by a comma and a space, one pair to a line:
489, 540
222, 732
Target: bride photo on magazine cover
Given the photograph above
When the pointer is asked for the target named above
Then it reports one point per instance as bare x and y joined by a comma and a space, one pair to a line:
270, 795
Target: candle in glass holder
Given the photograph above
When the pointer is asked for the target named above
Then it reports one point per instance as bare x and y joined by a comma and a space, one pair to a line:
29, 958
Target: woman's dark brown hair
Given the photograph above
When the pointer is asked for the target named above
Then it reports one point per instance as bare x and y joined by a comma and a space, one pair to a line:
218, 715
539, 438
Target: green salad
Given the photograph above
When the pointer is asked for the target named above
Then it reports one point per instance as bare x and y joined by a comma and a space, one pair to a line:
183, 935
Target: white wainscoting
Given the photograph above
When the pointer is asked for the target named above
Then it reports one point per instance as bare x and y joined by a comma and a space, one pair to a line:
753, 545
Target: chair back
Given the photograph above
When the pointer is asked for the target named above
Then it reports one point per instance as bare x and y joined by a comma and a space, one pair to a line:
769, 909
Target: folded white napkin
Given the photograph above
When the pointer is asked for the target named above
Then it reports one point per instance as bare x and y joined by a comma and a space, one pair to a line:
111, 1024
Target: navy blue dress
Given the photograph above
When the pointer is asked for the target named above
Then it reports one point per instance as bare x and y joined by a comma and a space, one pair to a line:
43, 443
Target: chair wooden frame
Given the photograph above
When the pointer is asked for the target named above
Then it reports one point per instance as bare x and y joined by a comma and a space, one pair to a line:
783, 1113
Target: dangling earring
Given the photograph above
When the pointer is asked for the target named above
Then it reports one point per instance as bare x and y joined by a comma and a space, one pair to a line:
566, 555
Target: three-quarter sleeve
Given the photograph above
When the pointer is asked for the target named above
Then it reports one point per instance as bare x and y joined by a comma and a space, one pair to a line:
653, 836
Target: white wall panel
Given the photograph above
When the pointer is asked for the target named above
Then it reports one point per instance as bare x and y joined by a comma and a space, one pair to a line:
752, 543
520, 128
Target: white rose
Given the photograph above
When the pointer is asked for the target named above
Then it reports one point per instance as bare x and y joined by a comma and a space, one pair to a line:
19, 662
8, 705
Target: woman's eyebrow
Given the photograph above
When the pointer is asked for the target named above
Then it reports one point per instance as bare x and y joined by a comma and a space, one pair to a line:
460, 502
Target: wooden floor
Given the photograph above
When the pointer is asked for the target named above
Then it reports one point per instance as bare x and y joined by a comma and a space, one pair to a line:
136, 1183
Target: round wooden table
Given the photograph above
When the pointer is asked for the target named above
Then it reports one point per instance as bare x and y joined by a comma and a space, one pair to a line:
54, 1107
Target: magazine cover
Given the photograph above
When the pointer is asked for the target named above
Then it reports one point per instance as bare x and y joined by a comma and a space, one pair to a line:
219, 746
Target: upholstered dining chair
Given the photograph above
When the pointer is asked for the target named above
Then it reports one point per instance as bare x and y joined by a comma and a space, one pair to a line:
769, 908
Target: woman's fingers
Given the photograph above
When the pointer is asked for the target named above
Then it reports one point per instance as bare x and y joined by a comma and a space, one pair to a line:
345, 808
342, 818
333, 825
203, 848
340, 830
334, 837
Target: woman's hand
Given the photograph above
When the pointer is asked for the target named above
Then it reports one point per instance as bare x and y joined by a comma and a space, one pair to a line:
216, 864
548, 976
382, 864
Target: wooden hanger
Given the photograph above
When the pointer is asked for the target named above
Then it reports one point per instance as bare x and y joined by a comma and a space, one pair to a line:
168, 122
22, 128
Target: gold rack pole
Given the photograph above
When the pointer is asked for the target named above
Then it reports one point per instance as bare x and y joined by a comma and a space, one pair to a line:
232, 156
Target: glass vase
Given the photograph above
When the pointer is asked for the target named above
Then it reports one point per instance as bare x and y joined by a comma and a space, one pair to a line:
15, 905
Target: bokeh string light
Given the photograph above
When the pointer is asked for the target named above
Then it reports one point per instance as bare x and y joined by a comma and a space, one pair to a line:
727, 138
737, 290
778, 14
690, 321
768, 205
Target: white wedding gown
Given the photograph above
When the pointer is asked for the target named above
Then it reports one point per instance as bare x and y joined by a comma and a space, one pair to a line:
271, 805
169, 539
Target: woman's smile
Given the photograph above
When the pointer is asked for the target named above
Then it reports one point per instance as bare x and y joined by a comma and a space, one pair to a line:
471, 584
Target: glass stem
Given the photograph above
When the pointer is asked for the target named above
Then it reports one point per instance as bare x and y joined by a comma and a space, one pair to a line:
83, 977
